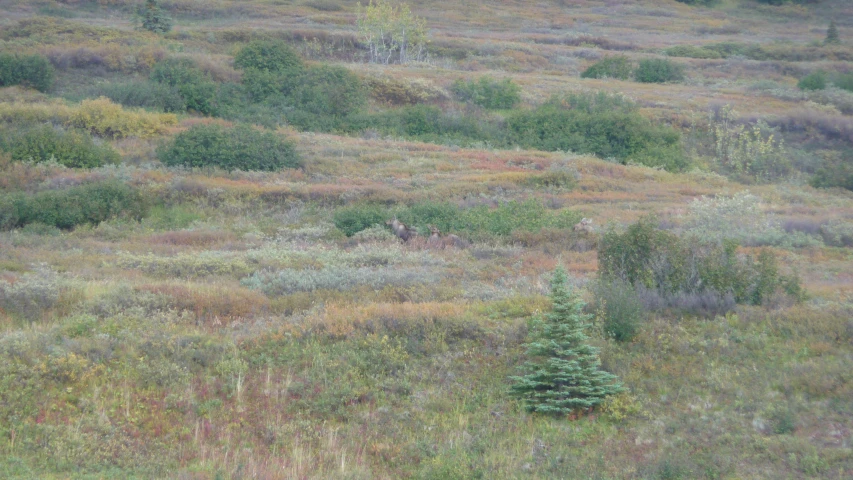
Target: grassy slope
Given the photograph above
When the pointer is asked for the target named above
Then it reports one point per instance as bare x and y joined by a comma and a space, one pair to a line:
155, 361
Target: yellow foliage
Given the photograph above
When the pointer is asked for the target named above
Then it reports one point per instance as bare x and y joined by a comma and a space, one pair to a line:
621, 406
100, 116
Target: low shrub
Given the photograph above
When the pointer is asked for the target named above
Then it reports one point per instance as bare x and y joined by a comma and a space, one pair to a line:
691, 51
488, 92
288, 281
657, 260
354, 219
606, 125
34, 71
141, 93
268, 55
69, 148
329, 91
813, 81
31, 294
617, 66
394, 91
658, 70
198, 90
107, 119
620, 308
86, 204
834, 174
843, 81
237, 148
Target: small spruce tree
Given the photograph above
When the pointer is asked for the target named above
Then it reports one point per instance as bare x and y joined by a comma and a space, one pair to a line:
563, 372
832, 34
154, 18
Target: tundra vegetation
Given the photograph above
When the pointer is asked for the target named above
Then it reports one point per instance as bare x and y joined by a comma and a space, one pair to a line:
201, 275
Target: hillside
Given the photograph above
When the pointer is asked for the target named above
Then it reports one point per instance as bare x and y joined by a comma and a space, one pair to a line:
197, 280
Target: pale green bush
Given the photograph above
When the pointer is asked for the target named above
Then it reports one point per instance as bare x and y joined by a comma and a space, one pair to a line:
288, 281
32, 294
186, 265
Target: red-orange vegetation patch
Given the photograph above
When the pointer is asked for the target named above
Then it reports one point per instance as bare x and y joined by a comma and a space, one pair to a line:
213, 303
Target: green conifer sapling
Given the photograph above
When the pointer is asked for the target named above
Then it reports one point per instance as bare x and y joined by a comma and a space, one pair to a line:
563, 371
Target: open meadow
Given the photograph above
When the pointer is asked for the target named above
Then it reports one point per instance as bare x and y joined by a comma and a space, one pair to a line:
197, 280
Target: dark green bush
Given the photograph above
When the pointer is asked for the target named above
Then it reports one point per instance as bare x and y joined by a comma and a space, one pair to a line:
658, 70
617, 66
606, 125
657, 260
70, 148
623, 311
268, 55
241, 147
141, 93
87, 204
354, 219
329, 90
34, 71
835, 174
488, 92
843, 81
813, 81
198, 90
154, 18
430, 124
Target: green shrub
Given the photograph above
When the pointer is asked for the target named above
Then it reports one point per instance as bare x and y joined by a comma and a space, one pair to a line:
141, 93
195, 86
621, 308
430, 124
87, 204
354, 219
691, 51
652, 259
813, 81
154, 19
843, 81
268, 55
834, 174
329, 90
34, 71
70, 148
617, 66
488, 92
241, 147
658, 70
606, 125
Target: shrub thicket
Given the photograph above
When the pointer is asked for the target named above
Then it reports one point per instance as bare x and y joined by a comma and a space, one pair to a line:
87, 204
356, 218
659, 261
488, 92
658, 70
606, 125
269, 55
620, 307
237, 148
617, 66
843, 81
70, 148
691, 51
34, 71
329, 91
198, 90
141, 93
813, 81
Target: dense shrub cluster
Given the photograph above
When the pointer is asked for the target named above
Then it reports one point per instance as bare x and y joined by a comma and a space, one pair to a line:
475, 222
813, 81
488, 92
197, 90
658, 70
87, 204
691, 51
69, 148
668, 266
606, 125
617, 66
34, 71
140, 93
237, 148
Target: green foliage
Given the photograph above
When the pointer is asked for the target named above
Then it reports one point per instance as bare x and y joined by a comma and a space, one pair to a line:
617, 66
140, 93
843, 81
606, 125
356, 218
274, 56
198, 91
154, 19
488, 92
813, 81
658, 70
87, 204
620, 307
69, 148
832, 34
237, 148
563, 374
755, 153
328, 91
648, 258
834, 174
691, 51
391, 32
33, 71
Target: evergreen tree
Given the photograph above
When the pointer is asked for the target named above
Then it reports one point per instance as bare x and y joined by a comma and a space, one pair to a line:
564, 374
154, 18
832, 34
